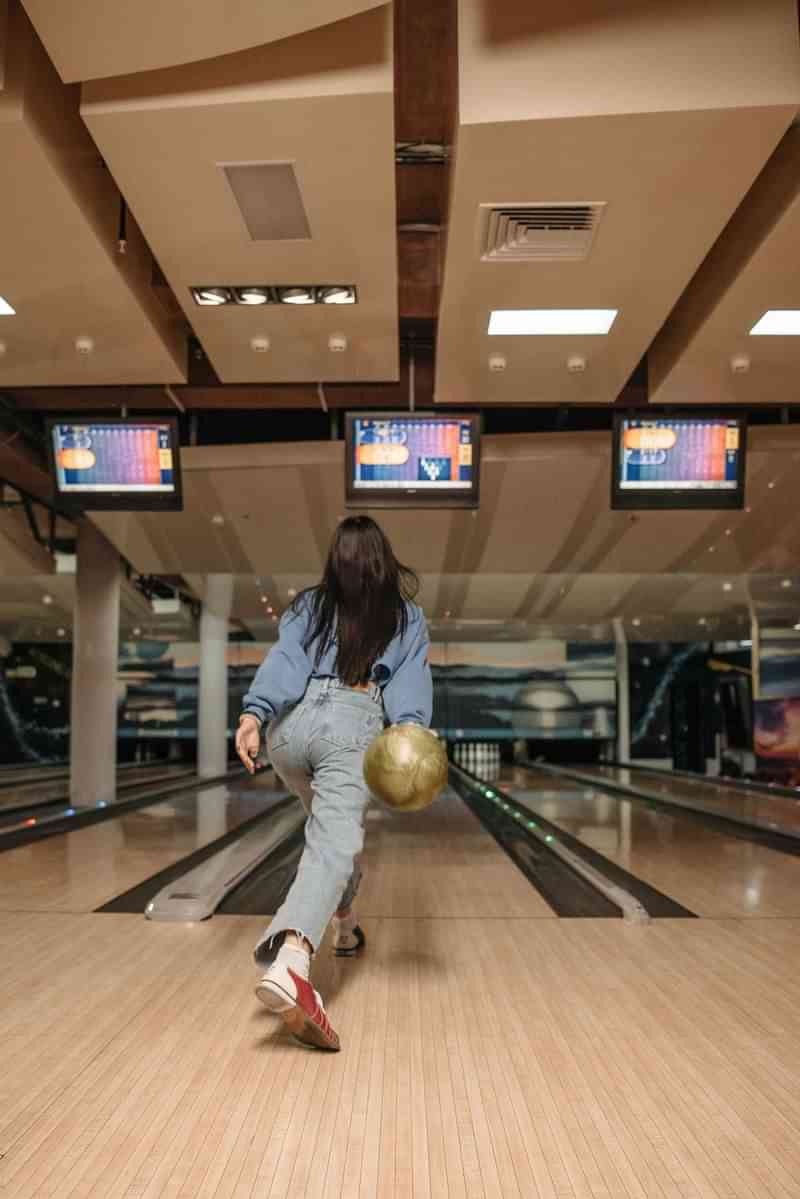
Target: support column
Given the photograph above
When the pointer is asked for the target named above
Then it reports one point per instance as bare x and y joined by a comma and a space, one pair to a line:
623, 693
95, 652
212, 702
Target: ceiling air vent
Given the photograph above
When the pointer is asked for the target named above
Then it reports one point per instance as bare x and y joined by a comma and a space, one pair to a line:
539, 232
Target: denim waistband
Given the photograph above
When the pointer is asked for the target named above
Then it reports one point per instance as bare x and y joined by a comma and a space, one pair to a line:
333, 687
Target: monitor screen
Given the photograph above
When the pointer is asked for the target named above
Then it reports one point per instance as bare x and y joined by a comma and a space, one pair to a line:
678, 461
116, 464
412, 459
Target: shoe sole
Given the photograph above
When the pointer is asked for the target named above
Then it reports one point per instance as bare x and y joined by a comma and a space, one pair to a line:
353, 950
297, 1021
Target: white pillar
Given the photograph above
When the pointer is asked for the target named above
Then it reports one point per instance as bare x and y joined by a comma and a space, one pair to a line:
623, 693
212, 703
95, 651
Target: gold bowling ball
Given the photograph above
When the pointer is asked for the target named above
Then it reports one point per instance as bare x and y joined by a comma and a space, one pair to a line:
406, 767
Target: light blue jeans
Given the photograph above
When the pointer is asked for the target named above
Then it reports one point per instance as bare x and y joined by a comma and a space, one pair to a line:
317, 749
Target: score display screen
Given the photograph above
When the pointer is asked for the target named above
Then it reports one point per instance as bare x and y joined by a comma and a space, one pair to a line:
119, 463
400, 453
679, 461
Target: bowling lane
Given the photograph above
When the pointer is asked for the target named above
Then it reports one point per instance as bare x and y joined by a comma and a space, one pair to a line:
81, 870
436, 864
709, 872
772, 812
54, 786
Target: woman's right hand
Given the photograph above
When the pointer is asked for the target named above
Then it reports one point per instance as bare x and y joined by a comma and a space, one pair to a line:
248, 741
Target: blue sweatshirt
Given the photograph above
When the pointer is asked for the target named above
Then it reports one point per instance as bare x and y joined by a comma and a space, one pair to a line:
402, 671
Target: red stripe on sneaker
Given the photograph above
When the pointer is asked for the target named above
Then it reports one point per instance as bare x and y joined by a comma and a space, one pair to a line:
307, 1001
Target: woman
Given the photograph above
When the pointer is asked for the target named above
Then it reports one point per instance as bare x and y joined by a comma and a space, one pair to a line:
350, 650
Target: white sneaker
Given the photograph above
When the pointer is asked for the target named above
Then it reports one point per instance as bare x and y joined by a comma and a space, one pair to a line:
292, 998
348, 937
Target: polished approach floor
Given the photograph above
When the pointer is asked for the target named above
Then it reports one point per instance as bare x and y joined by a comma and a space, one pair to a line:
489, 1047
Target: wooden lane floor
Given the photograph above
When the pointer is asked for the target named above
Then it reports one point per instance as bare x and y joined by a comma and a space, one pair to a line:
489, 1048
768, 811
562, 1059
708, 871
441, 864
81, 870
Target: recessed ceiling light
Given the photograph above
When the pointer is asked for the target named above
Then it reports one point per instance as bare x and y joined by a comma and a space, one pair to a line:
275, 618
265, 599
786, 582
218, 519
296, 295
6, 309
137, 632
636, 621
728, 532
778, 322
47, 599
727, 586
270, 611
259, 345
340, 294
292, 592
551, 322
251, 295
702, 620
211, 297
61, 632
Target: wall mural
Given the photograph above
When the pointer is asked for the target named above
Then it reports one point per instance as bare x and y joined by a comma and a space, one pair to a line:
34, 703
492, 691
777, 711
532, 690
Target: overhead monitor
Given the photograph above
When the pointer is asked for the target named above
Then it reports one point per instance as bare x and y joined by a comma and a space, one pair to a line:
412, 459
116, 464
678, 461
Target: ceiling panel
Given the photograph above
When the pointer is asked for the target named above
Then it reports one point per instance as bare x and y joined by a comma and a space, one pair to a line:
752, 268
59, 266
323, 102
20, 553
638, 113
544, 549
97, 38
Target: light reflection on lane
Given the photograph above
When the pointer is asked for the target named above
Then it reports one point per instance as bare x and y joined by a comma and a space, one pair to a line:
709, 872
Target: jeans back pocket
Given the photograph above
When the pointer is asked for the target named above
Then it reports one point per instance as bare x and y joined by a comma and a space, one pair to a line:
350, 726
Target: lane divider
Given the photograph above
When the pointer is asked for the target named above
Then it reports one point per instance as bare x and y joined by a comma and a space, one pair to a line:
534, 828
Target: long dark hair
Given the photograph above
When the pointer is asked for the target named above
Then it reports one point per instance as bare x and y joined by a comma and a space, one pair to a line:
360, 603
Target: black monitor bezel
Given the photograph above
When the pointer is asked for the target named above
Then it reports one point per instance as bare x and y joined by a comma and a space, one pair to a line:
677, 500
123, 501
411, 497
